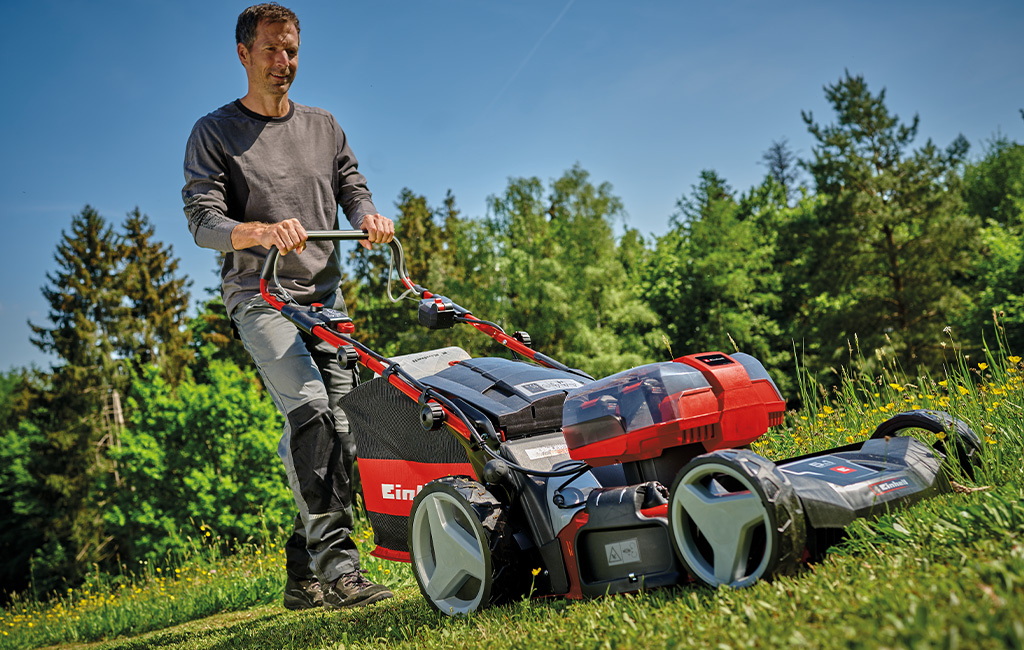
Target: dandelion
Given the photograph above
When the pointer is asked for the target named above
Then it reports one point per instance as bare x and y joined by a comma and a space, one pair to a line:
990, 440
943, 383
1013, 359
982, 366
536, 571
963, 391
941, 435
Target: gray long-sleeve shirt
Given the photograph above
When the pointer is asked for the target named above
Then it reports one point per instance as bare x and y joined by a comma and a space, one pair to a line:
241, 166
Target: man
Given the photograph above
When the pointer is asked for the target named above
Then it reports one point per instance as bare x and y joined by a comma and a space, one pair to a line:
260, 172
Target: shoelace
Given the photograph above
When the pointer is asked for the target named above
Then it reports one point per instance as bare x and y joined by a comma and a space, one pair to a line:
356, 579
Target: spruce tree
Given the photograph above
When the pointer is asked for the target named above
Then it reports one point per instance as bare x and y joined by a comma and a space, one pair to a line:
157, 300
65, 423
87, 309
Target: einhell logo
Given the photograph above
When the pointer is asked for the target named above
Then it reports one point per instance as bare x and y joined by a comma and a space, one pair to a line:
396, 492
889, 486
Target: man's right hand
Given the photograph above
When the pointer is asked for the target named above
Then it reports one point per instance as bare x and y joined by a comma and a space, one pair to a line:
288, 235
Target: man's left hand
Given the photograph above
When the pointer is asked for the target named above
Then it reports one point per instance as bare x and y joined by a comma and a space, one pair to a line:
379, 230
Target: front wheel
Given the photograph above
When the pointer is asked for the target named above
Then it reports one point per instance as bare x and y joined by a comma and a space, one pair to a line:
735, 519
461, 546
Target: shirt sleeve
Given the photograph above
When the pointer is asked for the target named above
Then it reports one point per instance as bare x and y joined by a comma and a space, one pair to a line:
353, 196
205, 190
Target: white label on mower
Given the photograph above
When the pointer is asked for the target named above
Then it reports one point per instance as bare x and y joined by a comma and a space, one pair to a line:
888, 486
547, 385
399, 492
626, 552
547, 451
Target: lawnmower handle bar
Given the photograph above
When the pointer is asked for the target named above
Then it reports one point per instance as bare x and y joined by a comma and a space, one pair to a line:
270, 264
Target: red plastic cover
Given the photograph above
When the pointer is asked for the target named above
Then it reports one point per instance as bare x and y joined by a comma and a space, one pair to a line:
711, 398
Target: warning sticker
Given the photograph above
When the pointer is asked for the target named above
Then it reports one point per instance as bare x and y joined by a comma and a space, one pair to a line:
547, 385
626, 552
547, 451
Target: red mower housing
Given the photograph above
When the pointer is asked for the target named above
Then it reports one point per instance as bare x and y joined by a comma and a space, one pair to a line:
712, 399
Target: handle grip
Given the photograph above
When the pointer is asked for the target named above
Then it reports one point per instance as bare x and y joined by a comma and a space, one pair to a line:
270, 264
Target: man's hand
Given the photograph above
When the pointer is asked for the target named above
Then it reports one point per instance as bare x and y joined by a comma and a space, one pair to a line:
379, 230
288, 235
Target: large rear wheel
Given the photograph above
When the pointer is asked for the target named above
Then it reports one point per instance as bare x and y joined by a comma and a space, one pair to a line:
735, 519
461, 546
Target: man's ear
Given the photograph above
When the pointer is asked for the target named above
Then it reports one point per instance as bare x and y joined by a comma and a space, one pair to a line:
243, 54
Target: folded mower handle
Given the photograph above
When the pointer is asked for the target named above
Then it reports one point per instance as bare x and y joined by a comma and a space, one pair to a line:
270, 264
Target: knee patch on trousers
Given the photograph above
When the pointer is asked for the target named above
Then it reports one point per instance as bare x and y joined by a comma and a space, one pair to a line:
317, 454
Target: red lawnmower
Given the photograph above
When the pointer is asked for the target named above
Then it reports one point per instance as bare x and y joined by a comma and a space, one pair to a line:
495, 475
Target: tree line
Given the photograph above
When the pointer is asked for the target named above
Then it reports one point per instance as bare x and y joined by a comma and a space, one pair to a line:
873, 249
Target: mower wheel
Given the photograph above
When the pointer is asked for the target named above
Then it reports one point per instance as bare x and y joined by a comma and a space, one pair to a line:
461, 547
735, 519
965, 441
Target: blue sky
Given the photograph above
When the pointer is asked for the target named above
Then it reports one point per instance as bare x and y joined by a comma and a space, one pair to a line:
464, 94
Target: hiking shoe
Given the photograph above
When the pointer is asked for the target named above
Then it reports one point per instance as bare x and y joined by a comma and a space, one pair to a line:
353, 590
303, 594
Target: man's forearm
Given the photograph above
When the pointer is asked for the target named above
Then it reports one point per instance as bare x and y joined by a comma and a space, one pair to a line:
287, 235
246, 235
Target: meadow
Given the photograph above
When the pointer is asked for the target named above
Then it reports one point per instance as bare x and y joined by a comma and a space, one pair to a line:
947, 573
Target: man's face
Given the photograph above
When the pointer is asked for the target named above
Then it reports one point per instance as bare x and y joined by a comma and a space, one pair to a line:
273, 59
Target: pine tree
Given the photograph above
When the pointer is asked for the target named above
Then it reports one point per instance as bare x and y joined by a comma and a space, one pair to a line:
890, 237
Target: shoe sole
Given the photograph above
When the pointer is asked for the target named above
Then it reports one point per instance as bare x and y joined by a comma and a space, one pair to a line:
297, 603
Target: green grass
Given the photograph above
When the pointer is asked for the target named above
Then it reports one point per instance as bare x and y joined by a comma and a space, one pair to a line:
948, 573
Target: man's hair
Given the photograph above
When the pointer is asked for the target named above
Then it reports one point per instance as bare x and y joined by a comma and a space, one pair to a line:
249, 20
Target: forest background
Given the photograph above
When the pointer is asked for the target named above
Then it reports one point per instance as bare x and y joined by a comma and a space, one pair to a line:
152, 426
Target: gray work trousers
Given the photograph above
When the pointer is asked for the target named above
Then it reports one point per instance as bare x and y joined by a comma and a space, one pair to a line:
306, 382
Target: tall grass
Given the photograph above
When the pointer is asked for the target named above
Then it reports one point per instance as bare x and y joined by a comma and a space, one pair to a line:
948, 572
